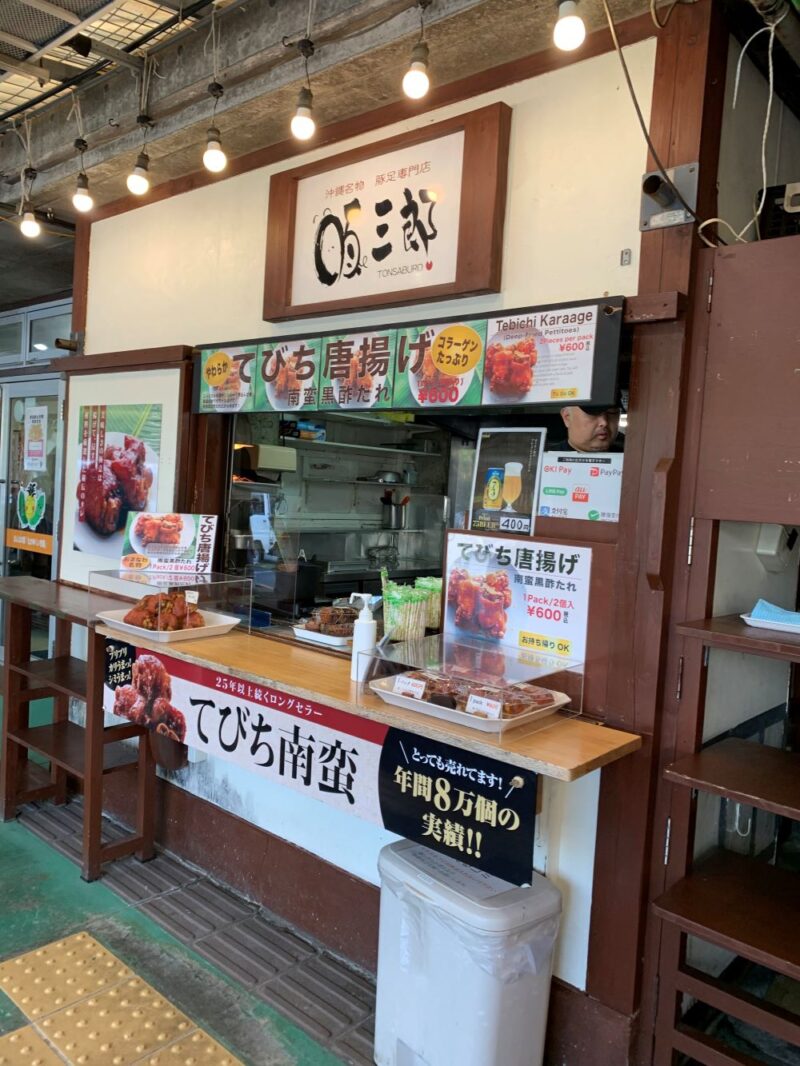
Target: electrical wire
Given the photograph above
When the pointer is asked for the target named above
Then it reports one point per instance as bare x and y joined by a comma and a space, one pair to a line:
654, 14
770, 28
659, 165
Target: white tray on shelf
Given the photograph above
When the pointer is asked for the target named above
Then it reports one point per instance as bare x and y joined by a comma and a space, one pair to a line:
311, 637
384, 687
763, 623
216, 625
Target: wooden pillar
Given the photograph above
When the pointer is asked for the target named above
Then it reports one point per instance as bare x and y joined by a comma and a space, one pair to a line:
687, 103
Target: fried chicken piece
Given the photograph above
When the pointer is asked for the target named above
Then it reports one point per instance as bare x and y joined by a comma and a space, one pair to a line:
151, 678
147, 528
468, 593
491, 612
168, 720
498, 581
129, 703
171, 529
103, 501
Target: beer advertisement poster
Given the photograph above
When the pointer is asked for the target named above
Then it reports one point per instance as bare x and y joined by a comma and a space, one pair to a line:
505, 480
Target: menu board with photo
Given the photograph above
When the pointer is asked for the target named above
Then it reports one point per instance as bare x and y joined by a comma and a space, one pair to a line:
544, 356
505, 480
518, 591
357, 371
288, 375
440, 365
227, 379
169, 543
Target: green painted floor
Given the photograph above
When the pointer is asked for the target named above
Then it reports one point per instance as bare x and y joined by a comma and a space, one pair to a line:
42, 899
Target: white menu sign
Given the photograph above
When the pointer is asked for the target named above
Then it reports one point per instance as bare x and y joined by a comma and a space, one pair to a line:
576, 485
380, 225
518, 591
540, 356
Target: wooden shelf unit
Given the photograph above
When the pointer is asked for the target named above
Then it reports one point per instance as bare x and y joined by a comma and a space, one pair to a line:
87, 753
739, 904
750, 773
729, 631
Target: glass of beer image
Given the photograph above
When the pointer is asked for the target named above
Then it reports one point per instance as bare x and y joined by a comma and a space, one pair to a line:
512, 484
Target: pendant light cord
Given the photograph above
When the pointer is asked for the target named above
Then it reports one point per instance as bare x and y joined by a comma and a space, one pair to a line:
212, 45
80, 142
27, 174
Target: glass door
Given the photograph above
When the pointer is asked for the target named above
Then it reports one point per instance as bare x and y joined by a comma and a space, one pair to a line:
30, 464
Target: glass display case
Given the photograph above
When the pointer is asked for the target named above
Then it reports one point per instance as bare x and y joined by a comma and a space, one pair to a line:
168, 607
344, 495
484, 685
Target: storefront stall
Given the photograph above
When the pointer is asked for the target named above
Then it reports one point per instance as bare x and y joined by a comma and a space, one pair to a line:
375, 406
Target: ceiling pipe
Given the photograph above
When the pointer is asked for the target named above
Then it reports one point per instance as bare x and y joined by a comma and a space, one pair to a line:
788, 29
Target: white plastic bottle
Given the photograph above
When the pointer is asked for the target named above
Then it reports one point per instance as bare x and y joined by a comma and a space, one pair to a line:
365, 636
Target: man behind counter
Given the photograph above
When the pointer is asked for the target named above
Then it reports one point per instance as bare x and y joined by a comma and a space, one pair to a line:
589, 429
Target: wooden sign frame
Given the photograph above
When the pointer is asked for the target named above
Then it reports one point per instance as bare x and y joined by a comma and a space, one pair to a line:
481, 217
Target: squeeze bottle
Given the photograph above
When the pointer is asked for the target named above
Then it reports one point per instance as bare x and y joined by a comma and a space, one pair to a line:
365, 636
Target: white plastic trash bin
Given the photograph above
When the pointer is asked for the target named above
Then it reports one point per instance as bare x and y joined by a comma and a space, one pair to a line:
464, 963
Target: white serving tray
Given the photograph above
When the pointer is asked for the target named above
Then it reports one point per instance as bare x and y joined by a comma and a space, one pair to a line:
762, 623
216, 625
311, 637
384, 687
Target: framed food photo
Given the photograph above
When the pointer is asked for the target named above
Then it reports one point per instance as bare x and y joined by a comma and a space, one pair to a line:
121, 456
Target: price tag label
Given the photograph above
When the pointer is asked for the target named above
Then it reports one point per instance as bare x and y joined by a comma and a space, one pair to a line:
409, 686
484, 706
456, 350
515, 523
217, 368
192, 596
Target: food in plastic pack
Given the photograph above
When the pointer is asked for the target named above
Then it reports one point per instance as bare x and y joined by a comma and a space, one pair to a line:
333, 621
454, 693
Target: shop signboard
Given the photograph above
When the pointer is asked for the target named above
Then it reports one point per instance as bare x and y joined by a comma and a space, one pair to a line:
288, 375
169, 543
586, 486
478, 810
505, 480
544, 356
357, 371
519, 591
379, 225
417, 216
440, 365
227, 378
475, 809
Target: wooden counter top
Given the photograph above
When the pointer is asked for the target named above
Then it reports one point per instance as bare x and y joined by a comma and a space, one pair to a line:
557, 746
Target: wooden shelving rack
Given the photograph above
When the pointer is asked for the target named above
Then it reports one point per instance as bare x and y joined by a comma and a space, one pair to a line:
87, 753
741, 904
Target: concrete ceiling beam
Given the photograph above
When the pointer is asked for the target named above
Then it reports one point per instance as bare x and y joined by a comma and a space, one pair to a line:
254, 64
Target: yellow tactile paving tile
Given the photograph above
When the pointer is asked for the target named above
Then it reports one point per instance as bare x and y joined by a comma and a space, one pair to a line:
24, 1047
55, 976
197, 1049
118, 1027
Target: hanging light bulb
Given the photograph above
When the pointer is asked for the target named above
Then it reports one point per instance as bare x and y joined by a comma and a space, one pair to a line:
139, 178
569, 32
82, 199
28, 225
303, 125
416, 81
214, 159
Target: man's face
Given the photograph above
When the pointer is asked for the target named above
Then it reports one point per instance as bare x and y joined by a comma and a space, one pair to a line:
594, 432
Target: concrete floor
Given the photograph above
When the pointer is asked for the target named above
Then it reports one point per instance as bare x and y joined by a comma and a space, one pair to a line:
42, 899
